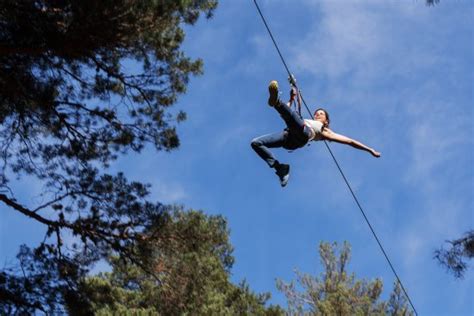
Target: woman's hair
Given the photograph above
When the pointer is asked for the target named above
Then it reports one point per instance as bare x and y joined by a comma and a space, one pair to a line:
327, 116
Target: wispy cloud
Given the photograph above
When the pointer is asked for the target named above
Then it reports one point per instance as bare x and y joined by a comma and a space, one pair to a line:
168, 192
436, 142
227, 137
366, 54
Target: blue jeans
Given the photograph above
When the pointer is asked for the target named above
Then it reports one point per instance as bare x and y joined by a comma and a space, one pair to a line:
296, 135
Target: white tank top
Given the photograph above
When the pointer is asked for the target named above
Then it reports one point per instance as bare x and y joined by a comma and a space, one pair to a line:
316, 127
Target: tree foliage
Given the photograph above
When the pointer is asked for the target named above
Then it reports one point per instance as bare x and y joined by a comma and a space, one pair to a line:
432, 2
336, 292
82, 82
191, 258
455, 258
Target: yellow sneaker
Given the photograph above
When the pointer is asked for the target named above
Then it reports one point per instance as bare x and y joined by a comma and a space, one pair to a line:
273, 90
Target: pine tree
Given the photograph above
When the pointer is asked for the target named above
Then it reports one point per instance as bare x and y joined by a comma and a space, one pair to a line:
192, 257
456, 257
336, 292
82, 82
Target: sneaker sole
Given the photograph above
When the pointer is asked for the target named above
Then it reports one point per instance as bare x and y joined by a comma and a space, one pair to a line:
285, 181
286, 177
273, 91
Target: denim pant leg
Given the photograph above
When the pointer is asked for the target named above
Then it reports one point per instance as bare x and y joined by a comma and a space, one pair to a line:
297, 130
262, 143
291, 118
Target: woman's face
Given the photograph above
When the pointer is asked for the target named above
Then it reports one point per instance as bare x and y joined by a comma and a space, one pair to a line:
320, 115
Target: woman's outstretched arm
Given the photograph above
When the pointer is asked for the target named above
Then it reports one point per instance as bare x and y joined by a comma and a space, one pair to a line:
330, 135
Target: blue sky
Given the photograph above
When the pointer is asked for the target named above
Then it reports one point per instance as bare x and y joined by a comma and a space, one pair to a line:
396, 75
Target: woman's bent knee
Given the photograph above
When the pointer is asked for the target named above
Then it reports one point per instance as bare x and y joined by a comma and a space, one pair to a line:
255, 143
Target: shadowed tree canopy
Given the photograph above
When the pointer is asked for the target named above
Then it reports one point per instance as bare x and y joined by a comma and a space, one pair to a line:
456, 257
191, 257
336, 292
82, 82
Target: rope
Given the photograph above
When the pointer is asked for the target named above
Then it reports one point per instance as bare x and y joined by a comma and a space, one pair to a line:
340, 169
281, 56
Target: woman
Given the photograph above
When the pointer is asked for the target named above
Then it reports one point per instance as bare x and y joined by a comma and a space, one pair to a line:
298, 133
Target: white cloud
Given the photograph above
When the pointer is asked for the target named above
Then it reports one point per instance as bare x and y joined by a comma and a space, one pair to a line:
251, 65
357, 51
168, 192
364, 40
347, 36
231, 135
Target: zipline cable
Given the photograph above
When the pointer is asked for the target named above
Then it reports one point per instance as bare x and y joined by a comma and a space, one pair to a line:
279, 53
337, 164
